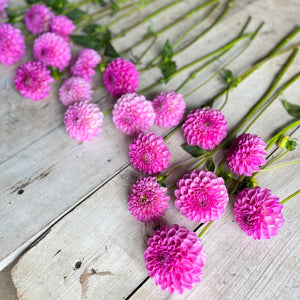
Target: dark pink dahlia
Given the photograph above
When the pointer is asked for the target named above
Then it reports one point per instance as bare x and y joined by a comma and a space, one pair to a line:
62, 26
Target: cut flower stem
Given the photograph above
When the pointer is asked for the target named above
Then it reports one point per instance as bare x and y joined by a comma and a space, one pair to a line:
290, 197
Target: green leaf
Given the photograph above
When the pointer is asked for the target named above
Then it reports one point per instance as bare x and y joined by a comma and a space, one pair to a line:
150, 32
102, 3
167, 52
87, 41
227, 176
110, 51
228, 76
76, 13
291, 145
210, 165
93, 28
56, 5
106, 38
195, 151
168, 68
114, 7
55, 73
292, 109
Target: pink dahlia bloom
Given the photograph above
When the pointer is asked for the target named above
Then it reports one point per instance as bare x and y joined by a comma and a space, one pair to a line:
133, 114
83, 64
83, 121
75, 89
201, 196
148, 201
12, 44
37, 19
246, 154
52, 50
121, 77
3, 6
169, 109
258, 212
149, 154
175, 258
205, 127
33, 80
62, 26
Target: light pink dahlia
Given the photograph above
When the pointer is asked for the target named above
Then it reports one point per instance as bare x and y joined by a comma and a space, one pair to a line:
246, 154
62, 26
37, 19
201, 196
205, 127
3, 6
258, 212
121, 77
148, 201
33, 80
75, 89
83, 64
133, 114
12, 44
149, 154
52, 50
175, 258
83, 121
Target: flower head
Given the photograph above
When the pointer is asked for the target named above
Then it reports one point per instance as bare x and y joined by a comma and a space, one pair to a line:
3, 6
133, 114
83, 64
175, 258
83, 121
148, 201
246, 154
32, 80
149, 154
121, 77
37, 18
205, 127
12, 44
169, 109
75, 89
258, 212
52, 50
62, 26
201, 196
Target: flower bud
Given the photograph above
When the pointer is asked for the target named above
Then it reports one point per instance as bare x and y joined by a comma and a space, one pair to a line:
283, 141
249, 182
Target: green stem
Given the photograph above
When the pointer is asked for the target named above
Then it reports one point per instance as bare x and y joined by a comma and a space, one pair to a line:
290, 197
107, 111
221, 165
226, 100
205, 228
279, 166
19, 7
146, 50
236, 186
73, 6
171, 134
203, 161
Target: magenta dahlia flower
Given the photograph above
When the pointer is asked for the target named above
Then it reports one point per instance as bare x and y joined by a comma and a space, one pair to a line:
75, 89
133, 114
148, 201
83, 64
258, 212
169, 109
12, 44
52, 50
205, 127
121, 77
246, 154
149, 154
33, 80
83, 121
62, 26
37, 19
3, 6
201, 196
175, 258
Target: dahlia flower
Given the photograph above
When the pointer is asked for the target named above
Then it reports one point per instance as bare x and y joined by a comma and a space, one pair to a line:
169, 109
205, 127
83, 121
121, 77
201, 196
175, 258
62, 26
3, 6
133, 114
148, 201
258, 212
32, 80
246, 154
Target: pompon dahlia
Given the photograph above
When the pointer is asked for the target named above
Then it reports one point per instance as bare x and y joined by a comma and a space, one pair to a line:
52, 50
133, 114
175, 258
83, 64
12, 44
149, 154
121, 77
169, 109
62, 26
205, 127
75, 89
32, 80
245, 154
37, 19
148, 201
258, 212
83, 121
201, 196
